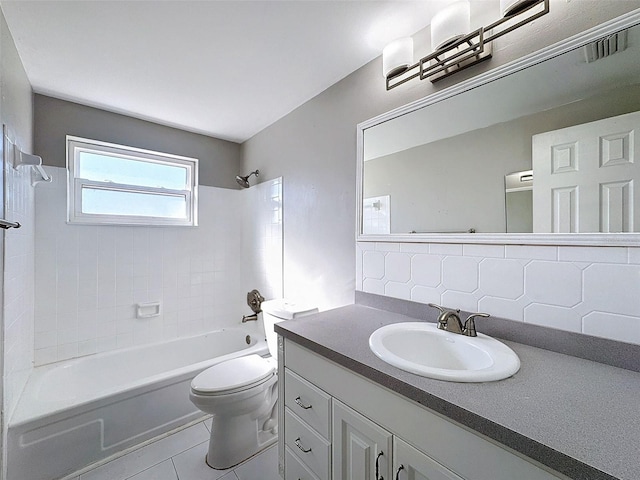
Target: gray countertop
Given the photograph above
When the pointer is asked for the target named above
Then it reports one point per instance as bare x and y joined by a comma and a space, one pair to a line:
579, 417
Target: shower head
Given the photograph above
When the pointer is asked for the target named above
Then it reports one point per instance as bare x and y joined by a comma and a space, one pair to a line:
244, 181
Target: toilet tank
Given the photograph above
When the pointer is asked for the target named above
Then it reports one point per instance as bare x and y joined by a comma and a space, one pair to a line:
274, 311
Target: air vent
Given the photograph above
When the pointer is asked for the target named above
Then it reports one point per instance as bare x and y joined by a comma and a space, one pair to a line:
605, 47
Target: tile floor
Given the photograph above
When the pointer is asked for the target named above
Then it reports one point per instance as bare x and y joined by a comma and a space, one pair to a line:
181, 457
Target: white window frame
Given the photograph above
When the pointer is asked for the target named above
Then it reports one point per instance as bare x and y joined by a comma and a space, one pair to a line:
76, 145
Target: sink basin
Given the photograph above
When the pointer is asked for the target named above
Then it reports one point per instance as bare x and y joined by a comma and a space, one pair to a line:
423, 349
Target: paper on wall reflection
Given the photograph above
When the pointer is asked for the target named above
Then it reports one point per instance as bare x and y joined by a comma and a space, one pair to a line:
376, 216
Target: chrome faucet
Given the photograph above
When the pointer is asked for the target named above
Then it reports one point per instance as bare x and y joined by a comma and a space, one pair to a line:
449, 320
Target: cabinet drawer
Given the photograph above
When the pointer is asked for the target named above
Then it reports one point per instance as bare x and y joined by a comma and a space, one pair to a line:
308, 402
296, 470
307, 445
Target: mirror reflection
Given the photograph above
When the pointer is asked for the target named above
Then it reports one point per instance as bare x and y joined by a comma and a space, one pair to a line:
549, 149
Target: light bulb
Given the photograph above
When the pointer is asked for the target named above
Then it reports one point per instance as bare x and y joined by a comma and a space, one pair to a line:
450, 24
397, 56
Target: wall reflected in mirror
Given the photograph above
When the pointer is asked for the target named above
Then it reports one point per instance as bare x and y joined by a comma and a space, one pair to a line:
445, 168
519, 202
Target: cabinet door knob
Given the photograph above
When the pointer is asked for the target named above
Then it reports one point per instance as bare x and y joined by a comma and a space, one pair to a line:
299, 445
380, 454
299, 402
398, 472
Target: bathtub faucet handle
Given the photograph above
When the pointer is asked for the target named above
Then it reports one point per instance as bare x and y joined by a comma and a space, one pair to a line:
250, 318
254, 300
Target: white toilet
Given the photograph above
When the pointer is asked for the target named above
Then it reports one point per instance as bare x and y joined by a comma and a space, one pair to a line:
241, 395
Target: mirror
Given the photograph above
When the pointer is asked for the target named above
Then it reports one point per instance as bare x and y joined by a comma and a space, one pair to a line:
516, 155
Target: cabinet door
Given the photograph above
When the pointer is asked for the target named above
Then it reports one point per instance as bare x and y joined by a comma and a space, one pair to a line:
359, 446
412, 464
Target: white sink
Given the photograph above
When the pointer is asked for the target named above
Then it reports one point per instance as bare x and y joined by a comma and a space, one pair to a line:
423, 349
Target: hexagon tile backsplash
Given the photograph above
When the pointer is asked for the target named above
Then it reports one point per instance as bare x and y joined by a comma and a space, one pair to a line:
591, 290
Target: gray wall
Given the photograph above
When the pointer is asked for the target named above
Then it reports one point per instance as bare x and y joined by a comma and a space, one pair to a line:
55, 118
314, 149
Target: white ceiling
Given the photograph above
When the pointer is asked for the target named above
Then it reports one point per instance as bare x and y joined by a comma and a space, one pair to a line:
223, 68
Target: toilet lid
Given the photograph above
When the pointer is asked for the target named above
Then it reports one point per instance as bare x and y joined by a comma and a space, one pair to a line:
233, 375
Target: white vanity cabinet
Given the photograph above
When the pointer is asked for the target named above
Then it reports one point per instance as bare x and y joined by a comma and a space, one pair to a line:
363, 450
357, 419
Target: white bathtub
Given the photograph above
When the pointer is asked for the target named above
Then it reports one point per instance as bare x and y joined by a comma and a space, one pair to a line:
74, 413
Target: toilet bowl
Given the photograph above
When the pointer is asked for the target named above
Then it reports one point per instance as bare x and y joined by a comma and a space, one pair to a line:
241, 394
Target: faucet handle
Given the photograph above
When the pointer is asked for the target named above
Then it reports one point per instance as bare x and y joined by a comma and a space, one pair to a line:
470, 324
442, 309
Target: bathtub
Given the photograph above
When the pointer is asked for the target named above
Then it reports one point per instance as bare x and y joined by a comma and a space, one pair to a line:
77, 412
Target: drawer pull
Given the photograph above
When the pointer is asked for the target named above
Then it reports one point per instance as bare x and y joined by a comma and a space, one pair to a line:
299, 402
380, 454
299, 445
398, 472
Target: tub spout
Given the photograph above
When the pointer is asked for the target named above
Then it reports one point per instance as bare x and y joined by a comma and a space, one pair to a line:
249, 318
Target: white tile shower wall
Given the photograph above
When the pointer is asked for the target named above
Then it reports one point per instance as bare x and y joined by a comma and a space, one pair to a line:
18, 283
89, 279
262, 238
590, 290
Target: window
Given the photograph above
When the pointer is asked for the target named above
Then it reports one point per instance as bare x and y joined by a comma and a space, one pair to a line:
115, 184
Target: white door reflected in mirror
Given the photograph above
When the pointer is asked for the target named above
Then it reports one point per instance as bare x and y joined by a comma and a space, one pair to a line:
584, 177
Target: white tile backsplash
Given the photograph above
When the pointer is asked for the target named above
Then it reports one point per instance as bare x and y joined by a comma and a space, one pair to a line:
460, 273
612, 288
618, 327
501, 278
553, 316
397, 267
373, 264
554, 283
592, 290
397, 290
426, 269
89, 279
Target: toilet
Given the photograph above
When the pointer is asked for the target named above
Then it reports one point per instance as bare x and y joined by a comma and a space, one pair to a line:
241, 395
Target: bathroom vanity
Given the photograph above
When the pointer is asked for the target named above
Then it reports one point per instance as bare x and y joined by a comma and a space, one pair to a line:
347, 414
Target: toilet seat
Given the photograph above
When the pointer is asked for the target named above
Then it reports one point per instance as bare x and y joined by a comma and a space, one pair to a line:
233, 376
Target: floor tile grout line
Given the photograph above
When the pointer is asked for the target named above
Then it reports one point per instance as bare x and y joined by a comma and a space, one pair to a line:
148, 445
235, 475
145, 469
174, 468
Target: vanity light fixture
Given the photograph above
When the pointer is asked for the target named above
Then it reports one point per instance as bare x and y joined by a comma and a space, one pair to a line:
456, 48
